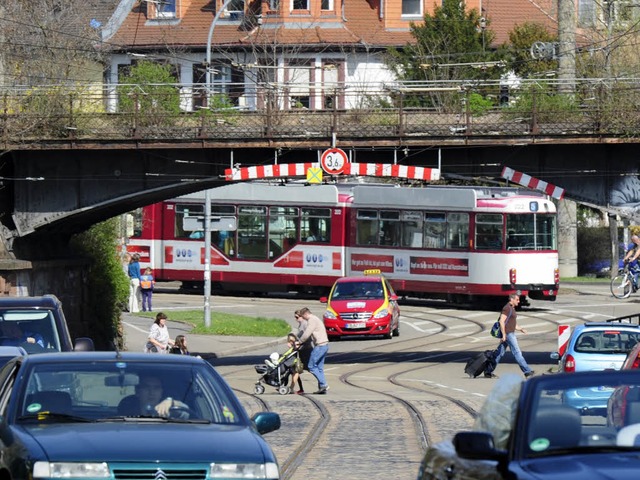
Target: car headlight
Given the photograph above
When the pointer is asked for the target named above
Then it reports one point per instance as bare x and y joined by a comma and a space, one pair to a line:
382, 313
330, 315
70, 470
244, 470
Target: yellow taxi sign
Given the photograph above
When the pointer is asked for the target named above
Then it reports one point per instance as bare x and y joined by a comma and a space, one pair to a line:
373, 271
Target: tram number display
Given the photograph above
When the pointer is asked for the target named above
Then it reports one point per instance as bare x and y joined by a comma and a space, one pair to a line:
334, 161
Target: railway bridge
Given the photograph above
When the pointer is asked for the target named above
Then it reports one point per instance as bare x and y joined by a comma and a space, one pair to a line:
64, 170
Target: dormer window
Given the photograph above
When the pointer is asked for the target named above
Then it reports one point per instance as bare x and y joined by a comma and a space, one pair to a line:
163, 8
235, 10
411, 8
300, 4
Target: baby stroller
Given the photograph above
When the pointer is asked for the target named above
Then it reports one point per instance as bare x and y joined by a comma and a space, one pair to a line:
276, 372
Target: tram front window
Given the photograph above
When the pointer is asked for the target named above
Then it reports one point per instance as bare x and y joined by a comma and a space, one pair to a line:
531, 232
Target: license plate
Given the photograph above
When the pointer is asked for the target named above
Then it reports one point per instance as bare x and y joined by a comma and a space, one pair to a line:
355, 325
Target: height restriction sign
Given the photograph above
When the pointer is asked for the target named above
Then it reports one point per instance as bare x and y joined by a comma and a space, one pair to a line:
333, 161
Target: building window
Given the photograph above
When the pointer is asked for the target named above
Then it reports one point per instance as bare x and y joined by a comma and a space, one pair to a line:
412, 7
166, 9
300, 4
299, 82
326, 5
274, 5
235, 10
586, 13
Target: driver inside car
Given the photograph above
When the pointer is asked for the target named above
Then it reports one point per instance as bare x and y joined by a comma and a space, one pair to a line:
12, 335
150, 400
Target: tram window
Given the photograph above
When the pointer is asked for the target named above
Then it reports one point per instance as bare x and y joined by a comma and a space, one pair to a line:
283, 229
546, 231
390, 228
411, 229
187, 210
224, 239
252, 233
367, 227
435, 230
315, 225
488, 231
458, 230
531, 232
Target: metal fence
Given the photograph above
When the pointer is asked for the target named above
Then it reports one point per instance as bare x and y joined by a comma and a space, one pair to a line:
399, 112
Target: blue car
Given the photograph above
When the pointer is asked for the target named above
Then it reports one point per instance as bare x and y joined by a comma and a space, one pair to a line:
525, 431
116, 415
596, 346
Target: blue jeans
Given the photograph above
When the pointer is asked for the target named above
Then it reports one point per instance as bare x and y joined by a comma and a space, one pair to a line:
512, 342
316, 363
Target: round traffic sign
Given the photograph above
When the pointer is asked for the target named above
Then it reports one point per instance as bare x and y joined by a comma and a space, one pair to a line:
333, 161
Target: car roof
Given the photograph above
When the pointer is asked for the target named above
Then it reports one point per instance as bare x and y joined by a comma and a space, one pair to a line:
44, 301
368, 278
10, 351
86, 357
608, 325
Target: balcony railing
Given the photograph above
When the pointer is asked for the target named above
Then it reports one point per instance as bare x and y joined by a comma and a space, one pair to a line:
270, 115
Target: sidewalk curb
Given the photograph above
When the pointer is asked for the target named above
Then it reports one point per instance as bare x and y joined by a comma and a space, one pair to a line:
249, 346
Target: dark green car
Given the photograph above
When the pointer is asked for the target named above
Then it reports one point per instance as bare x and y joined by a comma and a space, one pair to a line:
113, 415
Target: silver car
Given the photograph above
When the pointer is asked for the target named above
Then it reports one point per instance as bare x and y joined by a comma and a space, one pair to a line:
596, 346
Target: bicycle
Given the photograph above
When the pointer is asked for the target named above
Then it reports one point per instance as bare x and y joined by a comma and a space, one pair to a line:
623, 284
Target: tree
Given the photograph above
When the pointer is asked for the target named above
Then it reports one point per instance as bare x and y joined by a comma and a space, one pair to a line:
445, 42
148, 91
452, 44
521, 38
49, 42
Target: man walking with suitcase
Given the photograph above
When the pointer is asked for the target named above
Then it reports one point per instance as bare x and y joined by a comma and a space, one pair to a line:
508, 327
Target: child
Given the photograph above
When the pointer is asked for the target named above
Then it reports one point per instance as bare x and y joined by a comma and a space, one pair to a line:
295, 363
146, 287
180, 346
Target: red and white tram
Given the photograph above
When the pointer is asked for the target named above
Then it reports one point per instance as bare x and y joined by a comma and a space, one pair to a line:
433, 241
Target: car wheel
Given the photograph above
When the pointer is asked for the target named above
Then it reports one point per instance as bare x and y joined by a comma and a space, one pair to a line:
259, 389
396, 331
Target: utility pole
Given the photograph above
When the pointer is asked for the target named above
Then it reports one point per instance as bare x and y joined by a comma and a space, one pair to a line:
567, 46
2, 42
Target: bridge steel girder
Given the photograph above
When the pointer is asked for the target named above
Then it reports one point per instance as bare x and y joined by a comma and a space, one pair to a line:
70, 190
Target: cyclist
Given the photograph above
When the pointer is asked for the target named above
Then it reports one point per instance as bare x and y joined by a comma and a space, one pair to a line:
632, 259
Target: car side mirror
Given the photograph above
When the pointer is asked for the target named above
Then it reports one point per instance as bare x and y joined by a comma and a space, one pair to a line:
393, 298
323, 299
477, 446
266, 422
83, 344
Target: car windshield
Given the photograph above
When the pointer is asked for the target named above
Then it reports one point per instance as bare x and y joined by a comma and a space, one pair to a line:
606, 341
366, 289
121, 390
582, 412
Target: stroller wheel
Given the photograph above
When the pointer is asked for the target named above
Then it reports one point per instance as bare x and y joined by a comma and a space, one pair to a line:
259, 389
284, 390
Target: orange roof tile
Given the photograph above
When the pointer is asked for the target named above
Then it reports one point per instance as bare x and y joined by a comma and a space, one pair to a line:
359, 25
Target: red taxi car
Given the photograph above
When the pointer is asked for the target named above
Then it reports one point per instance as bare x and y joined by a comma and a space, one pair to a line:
365, 305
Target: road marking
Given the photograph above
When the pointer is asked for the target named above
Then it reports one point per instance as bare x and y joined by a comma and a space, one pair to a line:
136, 327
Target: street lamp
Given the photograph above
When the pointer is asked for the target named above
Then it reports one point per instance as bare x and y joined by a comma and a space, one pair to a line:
207, 195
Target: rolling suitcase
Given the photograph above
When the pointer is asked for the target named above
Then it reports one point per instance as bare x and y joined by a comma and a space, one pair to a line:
477, 365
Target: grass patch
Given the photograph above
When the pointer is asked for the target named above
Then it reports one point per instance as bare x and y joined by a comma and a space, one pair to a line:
585, 280
228, 323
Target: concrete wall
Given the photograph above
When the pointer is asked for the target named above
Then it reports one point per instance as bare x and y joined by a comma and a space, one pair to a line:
67, 279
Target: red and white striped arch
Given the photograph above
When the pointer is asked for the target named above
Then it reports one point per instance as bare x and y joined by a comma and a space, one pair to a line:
361, 169
533, 183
